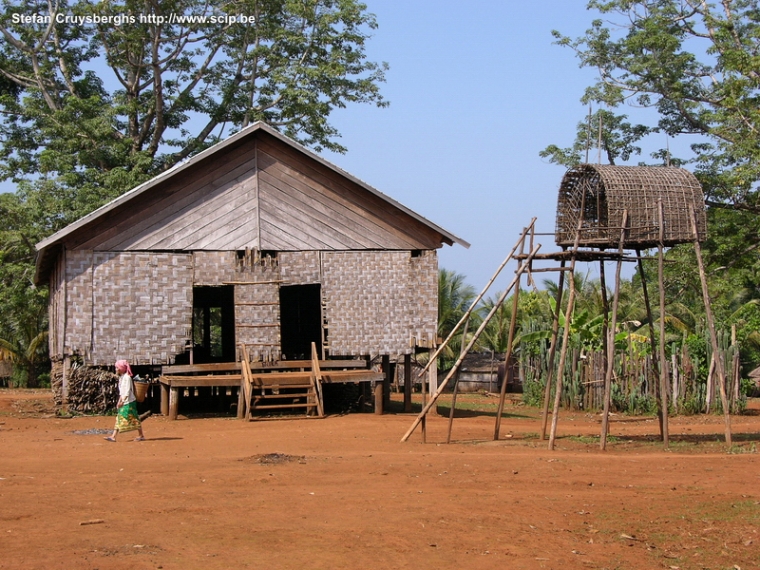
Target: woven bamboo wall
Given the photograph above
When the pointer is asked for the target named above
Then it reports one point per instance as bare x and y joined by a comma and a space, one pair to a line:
423, 291
138, 306
599, 194
57, 308
78, 303
373, 302
127, 305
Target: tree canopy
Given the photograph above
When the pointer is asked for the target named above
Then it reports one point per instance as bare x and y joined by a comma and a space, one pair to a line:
97, 97
694, 68
697, 66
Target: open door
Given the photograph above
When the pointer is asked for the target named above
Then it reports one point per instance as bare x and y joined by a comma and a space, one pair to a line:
300, 320
213, 324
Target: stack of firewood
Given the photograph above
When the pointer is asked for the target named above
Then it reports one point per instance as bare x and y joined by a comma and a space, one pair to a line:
92, 390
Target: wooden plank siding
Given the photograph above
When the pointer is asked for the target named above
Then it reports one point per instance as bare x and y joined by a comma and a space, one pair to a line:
325, 206
204, 202
375, 207
150, 209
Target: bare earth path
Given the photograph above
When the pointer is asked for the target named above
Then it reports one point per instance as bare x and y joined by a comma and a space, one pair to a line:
342, 492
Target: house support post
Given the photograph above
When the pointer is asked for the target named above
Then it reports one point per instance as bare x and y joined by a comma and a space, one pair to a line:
610, 345
173, 403
408, 383
164, 399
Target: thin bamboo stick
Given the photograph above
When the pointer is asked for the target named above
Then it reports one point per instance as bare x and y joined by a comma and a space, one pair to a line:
610, 363
663, 363
711, 325
476, 335
520, 242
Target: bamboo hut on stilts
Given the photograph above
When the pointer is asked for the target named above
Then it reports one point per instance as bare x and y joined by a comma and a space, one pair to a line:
602, 211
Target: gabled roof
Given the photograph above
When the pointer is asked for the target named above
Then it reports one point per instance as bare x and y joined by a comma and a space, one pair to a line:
237, 184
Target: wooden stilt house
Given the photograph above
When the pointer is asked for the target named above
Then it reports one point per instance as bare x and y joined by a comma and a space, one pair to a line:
255, 241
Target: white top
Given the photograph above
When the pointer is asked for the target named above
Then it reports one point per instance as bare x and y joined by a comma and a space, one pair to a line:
126, 393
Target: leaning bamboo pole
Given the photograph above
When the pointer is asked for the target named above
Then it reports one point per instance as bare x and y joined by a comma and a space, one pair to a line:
507, 360
520, 242
719, 368
610, 363
552, 351
510, 342
434, 396
563, 353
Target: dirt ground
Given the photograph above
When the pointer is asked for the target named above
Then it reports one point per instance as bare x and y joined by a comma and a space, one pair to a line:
343, 492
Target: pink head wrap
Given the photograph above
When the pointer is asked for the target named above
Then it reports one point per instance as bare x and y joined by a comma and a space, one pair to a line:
124, 364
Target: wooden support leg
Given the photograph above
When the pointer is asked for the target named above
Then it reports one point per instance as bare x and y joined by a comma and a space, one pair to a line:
386, 381
379, 398
408, 383
241, 401
164, 399
173, 403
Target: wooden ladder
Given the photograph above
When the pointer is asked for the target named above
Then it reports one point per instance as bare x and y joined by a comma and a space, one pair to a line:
282, 390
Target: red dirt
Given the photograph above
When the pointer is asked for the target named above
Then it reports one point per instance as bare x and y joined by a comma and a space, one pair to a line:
342, 492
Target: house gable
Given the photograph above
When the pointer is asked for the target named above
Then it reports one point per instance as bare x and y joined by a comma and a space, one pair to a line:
257, 189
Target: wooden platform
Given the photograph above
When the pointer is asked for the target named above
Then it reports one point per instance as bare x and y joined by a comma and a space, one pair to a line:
261, 384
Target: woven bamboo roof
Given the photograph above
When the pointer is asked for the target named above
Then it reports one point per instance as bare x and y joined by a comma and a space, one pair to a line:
599, 194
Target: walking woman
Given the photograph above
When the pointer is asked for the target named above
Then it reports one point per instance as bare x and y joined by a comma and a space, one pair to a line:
127, 418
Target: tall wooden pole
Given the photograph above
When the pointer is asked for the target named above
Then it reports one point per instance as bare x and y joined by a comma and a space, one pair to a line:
552, 351
719, 368
663, 361
610, 364
434, 396
655, 358
507, 360
563, 354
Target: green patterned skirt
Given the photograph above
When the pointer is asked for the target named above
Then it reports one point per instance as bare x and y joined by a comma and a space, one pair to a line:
127, 418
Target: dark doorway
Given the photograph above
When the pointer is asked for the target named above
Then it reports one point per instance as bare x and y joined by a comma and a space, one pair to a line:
213, 324
300, 320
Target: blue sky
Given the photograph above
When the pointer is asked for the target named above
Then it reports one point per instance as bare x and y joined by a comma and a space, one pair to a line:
476, 90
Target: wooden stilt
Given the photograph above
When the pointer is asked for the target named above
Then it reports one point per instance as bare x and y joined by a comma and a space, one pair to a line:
408, 383
434, 396
173, 403
605, 312
610, 363
164, 399
552, 351
566, 330
655, 351
563, 354
507, 360
720, 369
387, 381
663, 402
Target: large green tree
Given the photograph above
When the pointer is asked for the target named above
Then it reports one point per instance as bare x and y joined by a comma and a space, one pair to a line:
697, 66
694, 67
98, 96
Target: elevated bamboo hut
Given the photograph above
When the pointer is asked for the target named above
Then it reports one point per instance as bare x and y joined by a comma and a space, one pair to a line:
599, 194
